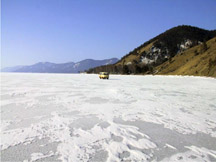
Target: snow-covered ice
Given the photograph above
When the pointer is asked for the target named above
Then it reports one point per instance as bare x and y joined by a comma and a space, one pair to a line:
78, 117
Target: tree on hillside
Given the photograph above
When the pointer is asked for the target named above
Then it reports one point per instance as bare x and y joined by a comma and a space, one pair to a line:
125, 69
204, 47
137, 69
212, 63
170, 59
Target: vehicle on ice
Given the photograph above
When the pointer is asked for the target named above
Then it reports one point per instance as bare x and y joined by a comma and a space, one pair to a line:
104, 75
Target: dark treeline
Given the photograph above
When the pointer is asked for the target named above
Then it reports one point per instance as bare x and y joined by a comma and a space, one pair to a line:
124, 69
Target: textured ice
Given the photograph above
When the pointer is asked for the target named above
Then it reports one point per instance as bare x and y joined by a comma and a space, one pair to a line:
73, 117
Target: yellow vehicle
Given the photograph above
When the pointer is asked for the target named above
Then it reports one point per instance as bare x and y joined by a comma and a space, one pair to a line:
104, 75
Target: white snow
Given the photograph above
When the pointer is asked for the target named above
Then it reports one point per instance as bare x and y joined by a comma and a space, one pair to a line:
73, 117
37, 156
145, 60
129, 63
167, 145
109, 62
186, 44
76, 65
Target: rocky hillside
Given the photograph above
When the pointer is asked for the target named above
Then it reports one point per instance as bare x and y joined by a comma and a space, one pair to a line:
199, 61
158, 50
168, 44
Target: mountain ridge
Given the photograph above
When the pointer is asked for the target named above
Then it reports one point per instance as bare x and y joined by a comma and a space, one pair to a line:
68, 67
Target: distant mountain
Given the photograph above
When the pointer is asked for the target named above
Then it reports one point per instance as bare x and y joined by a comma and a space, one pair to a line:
10, 69
70, 67
146, 57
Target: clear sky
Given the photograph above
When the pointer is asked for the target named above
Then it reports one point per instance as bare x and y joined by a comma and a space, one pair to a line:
72, 30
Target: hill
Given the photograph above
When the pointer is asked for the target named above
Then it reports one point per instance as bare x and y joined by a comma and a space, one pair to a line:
158, 50
70, 67
199, 61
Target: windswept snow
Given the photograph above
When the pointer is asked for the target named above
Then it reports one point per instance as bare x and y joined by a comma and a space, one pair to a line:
75, 117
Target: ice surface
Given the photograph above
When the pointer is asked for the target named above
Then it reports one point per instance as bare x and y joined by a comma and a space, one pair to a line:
73, 117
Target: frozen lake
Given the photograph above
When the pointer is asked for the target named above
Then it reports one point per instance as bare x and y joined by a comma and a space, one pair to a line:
78, 117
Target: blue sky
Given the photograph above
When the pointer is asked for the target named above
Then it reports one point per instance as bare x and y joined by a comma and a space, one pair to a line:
72, 30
